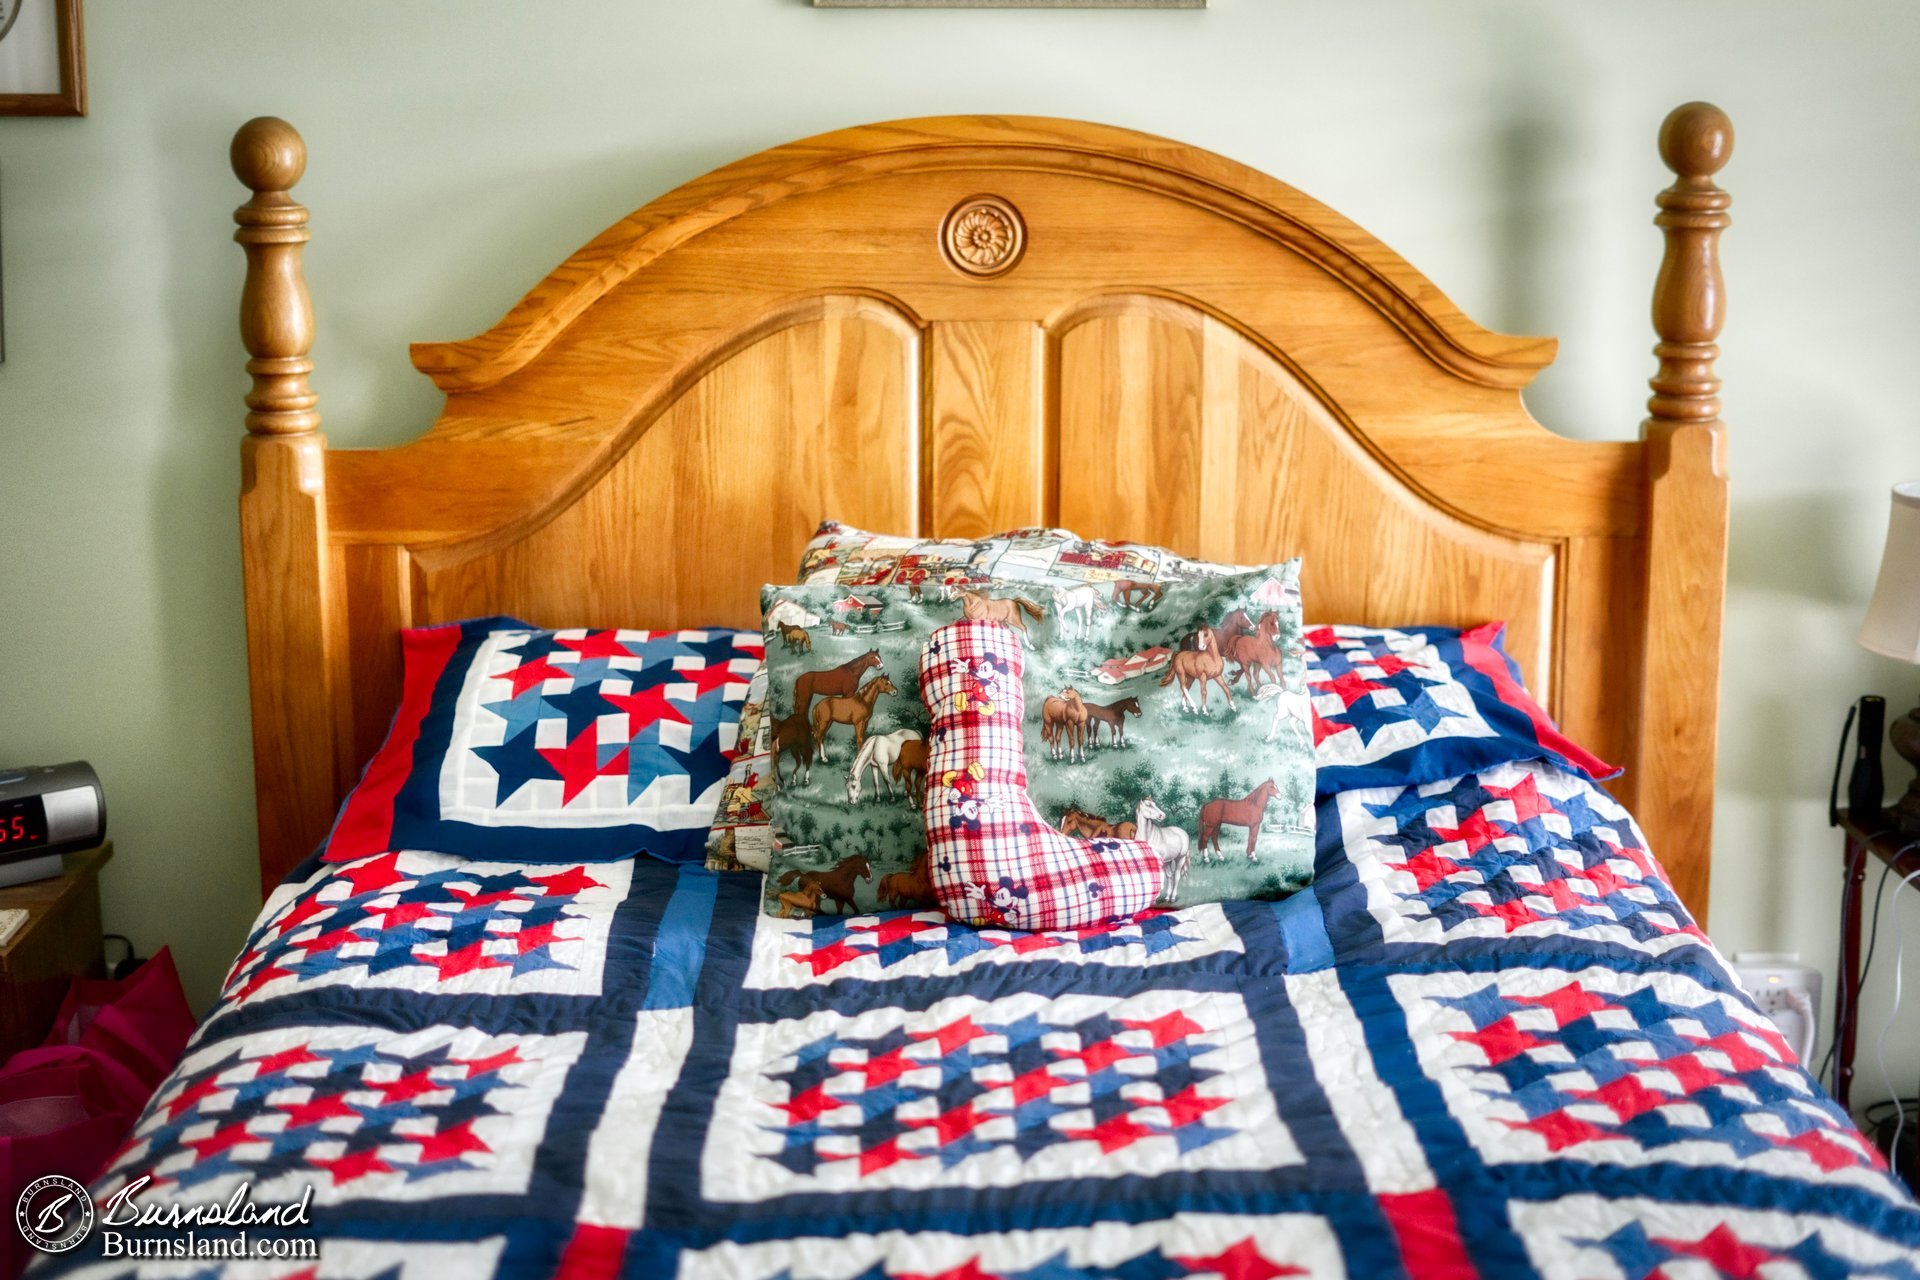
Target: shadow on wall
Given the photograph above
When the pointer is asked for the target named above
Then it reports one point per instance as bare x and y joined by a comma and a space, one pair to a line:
1536, 155
1804, 544
1535, 152
1799, 571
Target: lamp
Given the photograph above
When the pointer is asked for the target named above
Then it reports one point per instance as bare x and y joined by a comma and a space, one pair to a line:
1892, 628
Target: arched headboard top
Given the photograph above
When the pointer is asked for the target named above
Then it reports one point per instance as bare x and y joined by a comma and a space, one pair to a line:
996, 144
961, 325
861, 224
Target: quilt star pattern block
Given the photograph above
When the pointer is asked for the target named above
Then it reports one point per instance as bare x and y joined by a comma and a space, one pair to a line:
353, 1113
1627, 1069
527, 745
1413, 706
973, 1093
435, 923
917, 944
1518, 851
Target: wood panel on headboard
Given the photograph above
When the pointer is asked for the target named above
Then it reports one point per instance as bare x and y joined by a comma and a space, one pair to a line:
961, 325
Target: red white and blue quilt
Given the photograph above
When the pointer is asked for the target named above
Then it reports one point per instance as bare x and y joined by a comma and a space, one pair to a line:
1488, 1042
550, 746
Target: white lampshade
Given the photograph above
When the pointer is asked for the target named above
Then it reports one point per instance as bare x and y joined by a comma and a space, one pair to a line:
1893, 619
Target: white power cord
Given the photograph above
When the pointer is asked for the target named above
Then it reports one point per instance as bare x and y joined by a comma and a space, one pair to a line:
1801, 1003
1880, 1044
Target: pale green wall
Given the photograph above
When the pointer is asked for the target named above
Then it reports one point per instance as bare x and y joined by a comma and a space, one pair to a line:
462, 147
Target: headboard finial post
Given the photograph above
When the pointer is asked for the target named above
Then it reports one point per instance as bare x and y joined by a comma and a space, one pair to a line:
1689, 298
286, 556
276, 317
1685, 537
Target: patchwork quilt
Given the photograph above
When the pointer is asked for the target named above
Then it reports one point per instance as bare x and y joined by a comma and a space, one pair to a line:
1487, 1041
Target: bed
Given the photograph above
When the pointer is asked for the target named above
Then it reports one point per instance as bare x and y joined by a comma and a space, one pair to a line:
1492, 1039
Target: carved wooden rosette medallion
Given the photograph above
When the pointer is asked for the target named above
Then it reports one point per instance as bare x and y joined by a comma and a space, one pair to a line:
983, 236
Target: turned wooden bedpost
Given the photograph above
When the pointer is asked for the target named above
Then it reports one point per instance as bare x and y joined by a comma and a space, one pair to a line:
276, 317
1687, 502
283, 511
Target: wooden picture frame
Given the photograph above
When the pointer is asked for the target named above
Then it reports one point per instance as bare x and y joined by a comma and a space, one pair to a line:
70, 98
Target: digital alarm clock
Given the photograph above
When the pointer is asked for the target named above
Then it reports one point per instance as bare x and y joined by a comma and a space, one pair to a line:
45, 811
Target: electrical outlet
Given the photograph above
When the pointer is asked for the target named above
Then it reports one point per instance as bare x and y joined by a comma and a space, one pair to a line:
1787, 991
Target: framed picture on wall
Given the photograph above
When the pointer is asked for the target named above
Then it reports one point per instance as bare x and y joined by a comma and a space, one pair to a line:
1009, 4
43, 61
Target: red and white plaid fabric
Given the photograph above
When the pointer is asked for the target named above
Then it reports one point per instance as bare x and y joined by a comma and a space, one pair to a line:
995, 860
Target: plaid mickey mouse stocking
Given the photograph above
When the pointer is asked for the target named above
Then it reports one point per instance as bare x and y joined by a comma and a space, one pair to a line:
995, 859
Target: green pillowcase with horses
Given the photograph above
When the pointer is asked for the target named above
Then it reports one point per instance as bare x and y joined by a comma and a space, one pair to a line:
846, 748
1180, 718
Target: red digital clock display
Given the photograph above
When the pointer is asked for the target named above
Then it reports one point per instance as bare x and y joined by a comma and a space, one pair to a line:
23, 824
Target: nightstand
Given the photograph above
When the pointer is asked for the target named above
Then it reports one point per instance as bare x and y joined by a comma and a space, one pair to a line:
1867, 842
60, 941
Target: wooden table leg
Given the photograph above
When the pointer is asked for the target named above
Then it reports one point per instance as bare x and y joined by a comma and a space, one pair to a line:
1846, 1020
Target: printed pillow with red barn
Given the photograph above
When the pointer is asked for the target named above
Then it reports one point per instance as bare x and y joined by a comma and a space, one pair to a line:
1039, 561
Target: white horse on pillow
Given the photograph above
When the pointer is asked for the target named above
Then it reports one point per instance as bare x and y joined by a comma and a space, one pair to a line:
789, 613
878, 754
1079, 604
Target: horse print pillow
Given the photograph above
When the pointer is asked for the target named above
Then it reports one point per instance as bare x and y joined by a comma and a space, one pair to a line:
1046, 558
1039, 561
1180, 719
845, 749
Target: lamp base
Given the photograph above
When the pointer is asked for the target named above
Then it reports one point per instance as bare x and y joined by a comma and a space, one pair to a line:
1905, 736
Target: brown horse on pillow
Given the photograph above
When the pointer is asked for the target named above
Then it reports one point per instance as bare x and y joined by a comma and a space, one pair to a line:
1256, 652
910, 771
855, 709
1203, 665
1248, 811
795, 638
834, 682
1129, 594
1091, 826
792, 737
836, 883
800, 903
1114, 716
976, 607
1063, 725
910, 888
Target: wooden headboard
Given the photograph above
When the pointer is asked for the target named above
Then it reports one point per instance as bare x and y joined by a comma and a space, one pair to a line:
960, 325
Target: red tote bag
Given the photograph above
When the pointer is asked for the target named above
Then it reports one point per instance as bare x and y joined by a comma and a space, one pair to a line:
67, 1106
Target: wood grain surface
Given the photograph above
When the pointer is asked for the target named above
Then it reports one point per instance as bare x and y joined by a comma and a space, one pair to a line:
1178, 350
